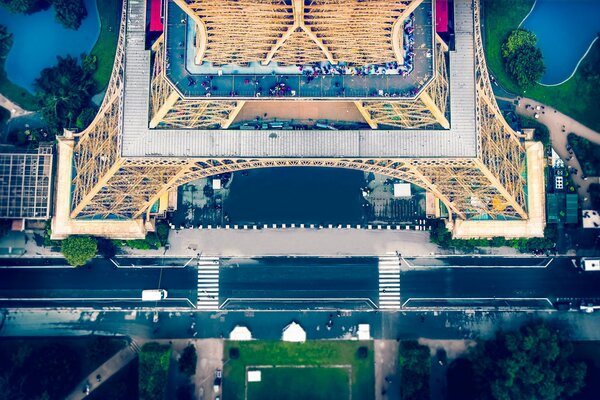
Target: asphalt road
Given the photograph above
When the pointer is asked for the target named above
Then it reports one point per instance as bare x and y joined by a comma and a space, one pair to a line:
559, 280
296, 282
101, 281
299, 283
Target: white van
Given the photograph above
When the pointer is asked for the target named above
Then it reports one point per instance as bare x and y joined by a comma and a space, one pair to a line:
590, 264
154, 294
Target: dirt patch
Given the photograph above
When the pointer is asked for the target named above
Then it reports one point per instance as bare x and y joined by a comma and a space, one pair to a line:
300, 110
453, 348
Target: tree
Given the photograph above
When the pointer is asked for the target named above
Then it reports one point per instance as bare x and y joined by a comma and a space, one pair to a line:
522, 59
85, 117
78, 250
415, 368
24, 6
64, 91
70, 13
187, 361
53, 370
154, 360
531, 363
6, 41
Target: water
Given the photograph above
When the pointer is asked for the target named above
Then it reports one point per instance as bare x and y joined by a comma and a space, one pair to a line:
296, 195
565, 29
38, 39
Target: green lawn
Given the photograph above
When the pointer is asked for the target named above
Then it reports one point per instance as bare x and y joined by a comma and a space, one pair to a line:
16, 93
299, 383
500, 17
577, 98
106, 46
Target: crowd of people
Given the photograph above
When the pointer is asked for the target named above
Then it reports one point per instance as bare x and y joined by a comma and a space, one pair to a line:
311, 72
325, 68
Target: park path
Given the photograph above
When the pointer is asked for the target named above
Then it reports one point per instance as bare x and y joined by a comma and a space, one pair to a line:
560, 125
15, 109
106, 370
386, 366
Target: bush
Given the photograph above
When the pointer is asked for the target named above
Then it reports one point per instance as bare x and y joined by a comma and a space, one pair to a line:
522, 59
187, 361
152, 242
154, 360
70, 13
415, 368
587, 153
234, 353
78, 250
443, 238
85, 117
162, 231
362, 352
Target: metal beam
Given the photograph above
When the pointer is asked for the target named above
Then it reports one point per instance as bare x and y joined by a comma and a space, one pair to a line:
164, 108
433, 108
366, 115
238, 107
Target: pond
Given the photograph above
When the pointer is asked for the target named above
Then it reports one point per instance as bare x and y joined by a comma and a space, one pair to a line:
38, 39
297, 195
564, 29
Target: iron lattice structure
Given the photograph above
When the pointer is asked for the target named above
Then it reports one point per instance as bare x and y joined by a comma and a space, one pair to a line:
108, 185
298, 31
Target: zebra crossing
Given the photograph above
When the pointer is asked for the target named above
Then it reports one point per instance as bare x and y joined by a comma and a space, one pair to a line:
389, 282
208, 283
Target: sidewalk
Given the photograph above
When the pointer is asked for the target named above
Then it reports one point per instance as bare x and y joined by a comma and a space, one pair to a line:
297, 242
554, 121
15, 109
106, 370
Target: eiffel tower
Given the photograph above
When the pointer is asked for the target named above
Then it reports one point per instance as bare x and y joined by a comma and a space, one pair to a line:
434, 123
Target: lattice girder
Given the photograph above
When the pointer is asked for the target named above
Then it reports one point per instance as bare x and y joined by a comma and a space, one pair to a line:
106, 185
299, 31
499, 147
460, 184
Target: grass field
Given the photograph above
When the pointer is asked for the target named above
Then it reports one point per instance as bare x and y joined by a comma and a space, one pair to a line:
577, 98
325, 384
281, 379
106, 46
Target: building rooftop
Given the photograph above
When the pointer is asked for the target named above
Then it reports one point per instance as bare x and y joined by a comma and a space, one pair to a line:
460, 141
252, 79
25, 183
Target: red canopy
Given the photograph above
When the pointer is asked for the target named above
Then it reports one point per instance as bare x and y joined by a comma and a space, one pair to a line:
156, 24
441, 16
